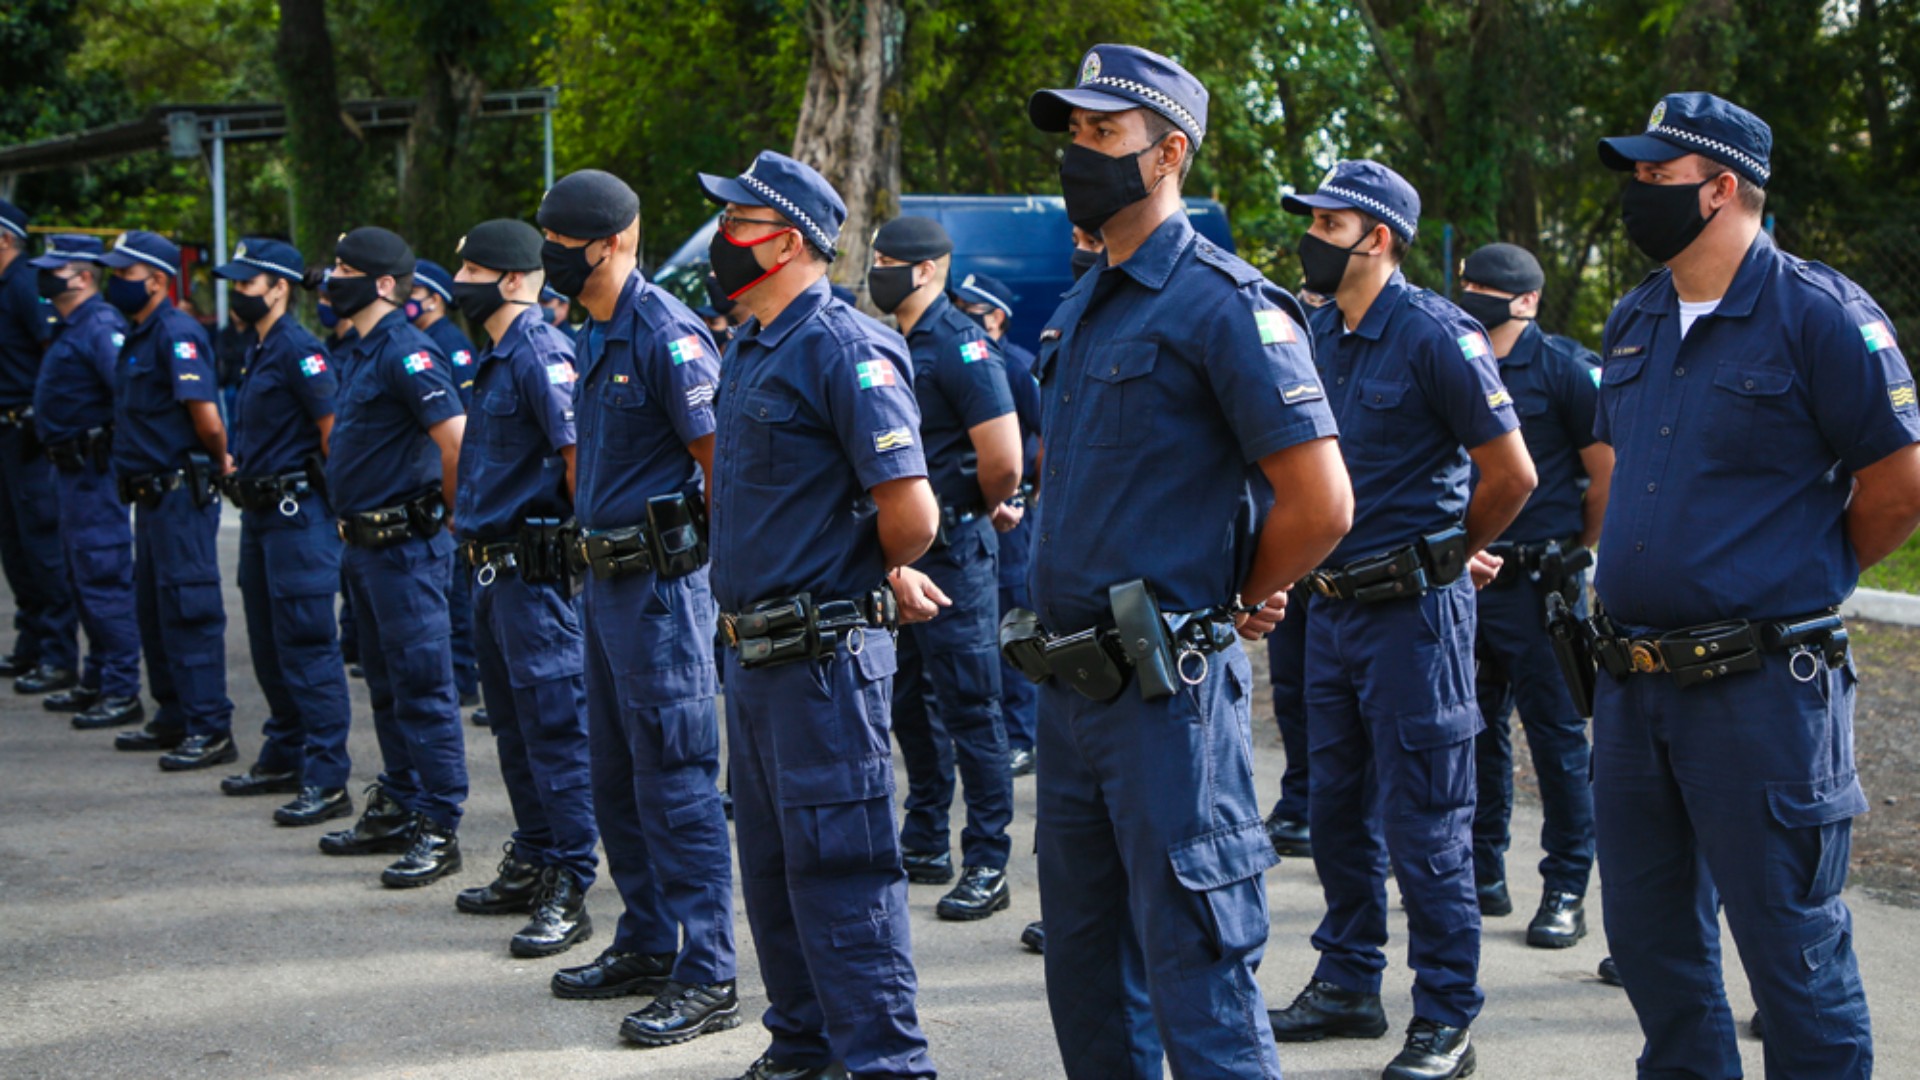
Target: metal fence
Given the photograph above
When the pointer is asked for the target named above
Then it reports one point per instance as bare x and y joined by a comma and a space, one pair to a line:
1881, 254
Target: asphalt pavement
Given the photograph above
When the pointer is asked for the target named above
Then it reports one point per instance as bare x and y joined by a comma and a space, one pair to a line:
151, 927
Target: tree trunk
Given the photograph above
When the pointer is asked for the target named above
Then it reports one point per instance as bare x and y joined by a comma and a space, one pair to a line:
437, 203
849, 118
324, 153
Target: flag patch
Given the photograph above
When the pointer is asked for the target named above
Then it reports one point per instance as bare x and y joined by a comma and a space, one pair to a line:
1275, 327
1299, 392
1595, 372
621, 380
684, 349
1498, 398
893, 439
418, 363
119, 339
1901, 394
560, 374
973, 352
314, 365
461, 358
1474, 346
186, 350
875, 373
701, 396
1877, 335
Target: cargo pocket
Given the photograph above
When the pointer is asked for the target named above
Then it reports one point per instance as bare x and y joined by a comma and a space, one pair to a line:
839, 817
199, 616
1222, 870
1807, 856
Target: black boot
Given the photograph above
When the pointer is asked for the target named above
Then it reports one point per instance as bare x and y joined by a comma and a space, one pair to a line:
259, 781
981, 892
111, 712
1494, 899
1433, 1051
514, 890
149, 738
765, 1067
1559, 924
44, 679
1034, 937
13, 665
614, 974
1324, 1010
928, 867
682, 1013
1290, 836
78, 699
1610, 972
314, 806
385, 827
560, 919
433, 854
200, 752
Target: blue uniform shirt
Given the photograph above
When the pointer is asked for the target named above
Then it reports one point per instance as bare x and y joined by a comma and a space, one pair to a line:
164, 361
510, 463
1735, 447
25, 324
647, 382
1165, 380
459, 352
288, 385
74, 393
960, 380
1026, 405
1414, 387
397, 385
816, 409
1555, 383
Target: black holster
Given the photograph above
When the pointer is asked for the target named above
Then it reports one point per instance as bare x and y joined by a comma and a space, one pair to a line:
545, 555
677, 532
427, 511
1573, 648
201, 475
1144, 638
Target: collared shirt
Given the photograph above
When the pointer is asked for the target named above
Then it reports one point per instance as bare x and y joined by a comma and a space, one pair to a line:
164, 362
74, 393
1555, 383
287, 385
1026, 405
1736, 447
1165, 380
397, 385
460, 353
960, 380
510, 463
25, 324
816, 409
1414, 387
647, 382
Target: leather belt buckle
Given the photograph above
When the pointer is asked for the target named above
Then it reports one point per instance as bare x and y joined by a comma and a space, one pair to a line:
1323, 583
729, 630
1647, 658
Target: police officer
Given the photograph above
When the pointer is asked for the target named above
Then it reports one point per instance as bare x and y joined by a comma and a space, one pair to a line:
45, 654
393, 457
645, 400
1151, 844
989, 302
1289, 825
289, 540
1390, 709
432, 298
516, 491
169, 444
816, 418
720, 314
73, 417
1554, 383
558, 310
947, 694
1764, 422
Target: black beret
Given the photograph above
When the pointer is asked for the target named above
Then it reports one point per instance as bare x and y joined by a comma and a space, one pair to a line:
588, 205
1509, 268
376, 251
502, 244
912, 239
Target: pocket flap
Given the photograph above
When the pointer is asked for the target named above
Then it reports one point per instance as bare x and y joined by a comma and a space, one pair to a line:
823, 783
879, 657
499, 404
1452, 725
570, 780
1382, 393
1802, 804
1224, 856
1118, 363
1622, 369
1753, 381
769, 407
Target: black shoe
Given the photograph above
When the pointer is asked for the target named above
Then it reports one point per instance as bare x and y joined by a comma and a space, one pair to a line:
1433, 1051
433, 854
560, 920
683, 1012
1034, 937
78, 699
200, 752
469, 698
1610, 972
726, 804
111, 712
765, 1068
1493, 898
13, 665
1324, 1010
1020, 763
356, 670
614, 974
44, 679
1754, 1027
314, 806
1290, 837
928, 867
385, 827
148, 738
511, 892
981, 892
257, 781
480, 717
1559, 924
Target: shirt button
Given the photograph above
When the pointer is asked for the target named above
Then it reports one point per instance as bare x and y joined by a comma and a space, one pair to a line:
1666, 431
1639, 547
1044, 537
1066, 399
1749, 384
1678, 372
1341, 381
763, 410
1115, 370
1651, 488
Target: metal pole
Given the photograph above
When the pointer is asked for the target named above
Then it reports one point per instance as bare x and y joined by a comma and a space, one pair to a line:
219, 221
1446, 260
553, 95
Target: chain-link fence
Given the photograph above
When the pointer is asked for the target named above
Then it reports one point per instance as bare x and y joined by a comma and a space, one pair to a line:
1881, 254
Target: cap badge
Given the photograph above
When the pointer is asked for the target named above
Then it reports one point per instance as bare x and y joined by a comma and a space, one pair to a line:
1090, 70
240, 252
1659, 114
461, 246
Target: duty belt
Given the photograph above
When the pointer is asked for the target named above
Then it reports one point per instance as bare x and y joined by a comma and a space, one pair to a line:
672, 542
93, 446
1552, 563
490, 559
262, 494
1699, 654
1430, 563
148, 489
385, 526
798, 627
1141, 640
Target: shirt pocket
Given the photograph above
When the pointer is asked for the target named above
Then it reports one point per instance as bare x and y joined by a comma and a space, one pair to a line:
507, 434
623, 421
1375, 429
1620, 387
1750, 410
1119, 393
770, 440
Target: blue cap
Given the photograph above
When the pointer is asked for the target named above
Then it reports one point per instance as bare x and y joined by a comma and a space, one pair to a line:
1366, 186
548, 294
67, 248
981, 289
1115, 78
13, 219
140, 246
1697, 123
256, 255
842, 294
433, 277
790, 189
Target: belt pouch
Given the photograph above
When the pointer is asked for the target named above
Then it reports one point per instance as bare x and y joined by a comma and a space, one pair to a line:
1144, 638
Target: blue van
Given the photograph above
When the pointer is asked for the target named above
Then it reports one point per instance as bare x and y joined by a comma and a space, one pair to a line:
1024, 240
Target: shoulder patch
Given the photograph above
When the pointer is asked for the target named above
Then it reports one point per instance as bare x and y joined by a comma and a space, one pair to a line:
897, 438
1473, 346
415, 363
1595, 373
1301, 392
700, 395
1231, 265
560, 373
119, 339
1877, 334
1901, 394
685, 349
313, 365
462, 358
186, 350
1499, 398
874, 373
1049, 334
972, 352
1275, 327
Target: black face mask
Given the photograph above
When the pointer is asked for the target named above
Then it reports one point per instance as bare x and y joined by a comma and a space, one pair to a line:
1323, 265
734, 266
51, 284
1662, 220
1083, 261
1097, 186
248, 309
478, 300
890, 286
351, 295
1490, 311
567, 267
130, 296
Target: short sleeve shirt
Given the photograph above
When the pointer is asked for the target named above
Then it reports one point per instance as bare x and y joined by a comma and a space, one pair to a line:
460, 354
26, 322
960, 380
398, 385
1555, 383
511, 468
165, 362
287, 385
74, 393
